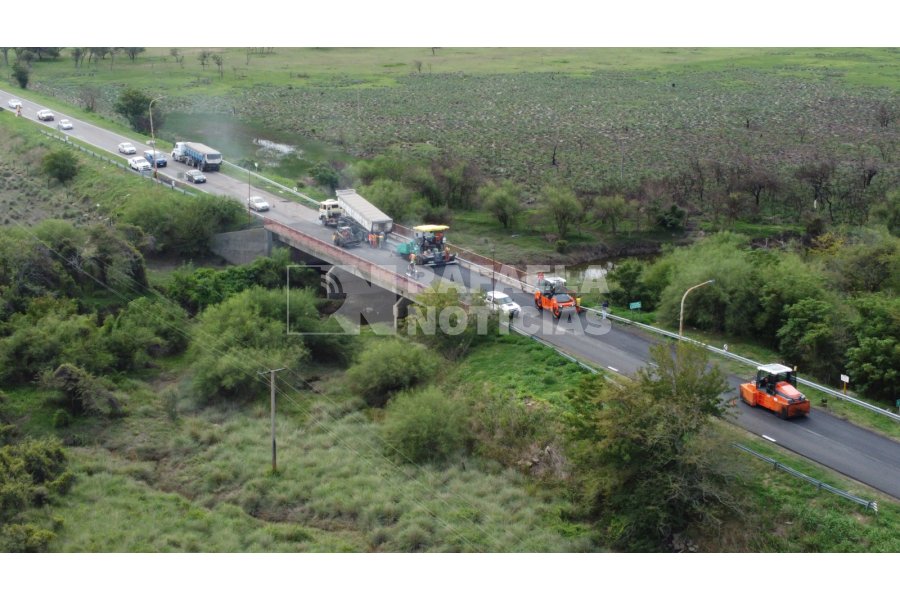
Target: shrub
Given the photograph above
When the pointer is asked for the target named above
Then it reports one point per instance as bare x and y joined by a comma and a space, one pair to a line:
426, 425
24, 538
61, 165
388, 366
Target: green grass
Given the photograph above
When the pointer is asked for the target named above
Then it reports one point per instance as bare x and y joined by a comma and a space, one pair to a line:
367, 67
515, 363
791, 515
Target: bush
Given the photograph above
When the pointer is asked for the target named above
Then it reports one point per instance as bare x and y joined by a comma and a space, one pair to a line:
25, 538
426, 425
61, 165
243, 335
388, 366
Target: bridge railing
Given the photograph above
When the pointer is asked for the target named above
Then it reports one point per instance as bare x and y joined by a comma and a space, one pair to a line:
387, 278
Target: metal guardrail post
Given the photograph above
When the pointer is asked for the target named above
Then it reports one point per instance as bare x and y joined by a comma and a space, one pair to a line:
821, 485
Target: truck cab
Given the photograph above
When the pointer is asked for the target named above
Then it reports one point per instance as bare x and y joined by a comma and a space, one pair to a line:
330, 213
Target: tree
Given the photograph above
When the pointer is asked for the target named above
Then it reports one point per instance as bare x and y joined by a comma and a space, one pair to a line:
21, 74
325, 175
218, 61
651, 465
133, 52
134, 105
612, 209
241, 336
809, 337
61, 165
874, 362
204, 57
177, 55
502, 201
77, 56
561, 206
394, 198
5, 52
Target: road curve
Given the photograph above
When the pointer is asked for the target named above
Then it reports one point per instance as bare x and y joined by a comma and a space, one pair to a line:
856, 452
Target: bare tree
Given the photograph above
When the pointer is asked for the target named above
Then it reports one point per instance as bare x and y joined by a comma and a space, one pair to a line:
178, 56
112, 56
89, 96
884, 114
418, 65
204, 57
817, 175
219, 61
133, 52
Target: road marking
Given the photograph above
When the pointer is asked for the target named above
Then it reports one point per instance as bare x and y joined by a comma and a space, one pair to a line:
765, 437
612, 368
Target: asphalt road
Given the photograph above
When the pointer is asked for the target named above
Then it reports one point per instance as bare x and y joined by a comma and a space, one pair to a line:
854, 451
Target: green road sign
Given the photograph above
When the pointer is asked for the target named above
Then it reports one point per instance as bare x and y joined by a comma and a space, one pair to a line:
634, 305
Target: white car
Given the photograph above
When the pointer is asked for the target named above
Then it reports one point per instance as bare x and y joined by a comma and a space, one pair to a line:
14, 103
502, 303
45, 115
127, 148
139, 163
257, 203
65, 124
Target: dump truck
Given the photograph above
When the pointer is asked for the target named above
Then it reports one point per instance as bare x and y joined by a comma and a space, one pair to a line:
429, 244
553, 295
775, 388
362, 212
197, 155
330, 213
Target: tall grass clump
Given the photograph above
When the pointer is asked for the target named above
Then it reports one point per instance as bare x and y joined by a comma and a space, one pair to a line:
388, 366
426, 425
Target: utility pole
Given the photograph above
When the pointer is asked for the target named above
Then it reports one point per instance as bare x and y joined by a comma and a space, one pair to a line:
271, 373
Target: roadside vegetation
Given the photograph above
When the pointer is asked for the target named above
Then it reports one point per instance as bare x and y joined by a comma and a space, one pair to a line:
125, 394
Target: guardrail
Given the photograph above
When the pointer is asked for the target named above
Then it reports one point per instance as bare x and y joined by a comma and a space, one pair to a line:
386, 278
871, 504
311, 202
816, 386
118, 163
518, 278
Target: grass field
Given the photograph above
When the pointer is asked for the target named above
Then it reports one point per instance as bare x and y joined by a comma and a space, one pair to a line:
616, 114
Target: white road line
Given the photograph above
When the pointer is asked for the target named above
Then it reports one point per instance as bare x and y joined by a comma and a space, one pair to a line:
765, 437
612, 368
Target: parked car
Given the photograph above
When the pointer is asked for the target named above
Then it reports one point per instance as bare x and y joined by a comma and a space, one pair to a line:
502, 303
257, 203
65, 124
139, 163
127, 148
14, 103
45, 115
195, 176
160, 157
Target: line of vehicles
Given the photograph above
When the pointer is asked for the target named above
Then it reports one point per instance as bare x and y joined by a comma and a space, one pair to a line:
356, 220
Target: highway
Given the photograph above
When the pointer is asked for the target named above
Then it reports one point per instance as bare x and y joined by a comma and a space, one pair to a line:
856, 452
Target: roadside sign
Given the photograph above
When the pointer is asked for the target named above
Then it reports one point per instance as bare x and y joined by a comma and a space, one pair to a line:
845, 378
634, 305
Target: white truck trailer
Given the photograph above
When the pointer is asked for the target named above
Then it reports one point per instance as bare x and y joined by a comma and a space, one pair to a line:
363, 212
